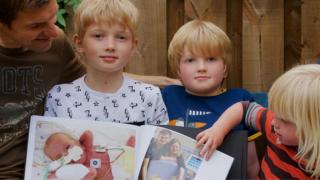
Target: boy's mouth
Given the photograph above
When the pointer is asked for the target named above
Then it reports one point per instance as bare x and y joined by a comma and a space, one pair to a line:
109, 59
202, 78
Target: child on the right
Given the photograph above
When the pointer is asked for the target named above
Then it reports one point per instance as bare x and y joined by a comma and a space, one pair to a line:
291, 126
200, 54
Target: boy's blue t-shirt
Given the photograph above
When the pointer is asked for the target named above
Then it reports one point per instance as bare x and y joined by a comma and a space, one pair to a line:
188, 110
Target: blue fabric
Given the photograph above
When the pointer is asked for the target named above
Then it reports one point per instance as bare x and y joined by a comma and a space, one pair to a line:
200, 111
261, 98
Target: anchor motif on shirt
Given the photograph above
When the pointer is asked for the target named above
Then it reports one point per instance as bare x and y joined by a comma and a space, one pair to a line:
105, 112
132, 105
59, 89
142, 96
143, 113
88, 113
87, 96
115, 104
58, 102
131, 89
78, 88
126, 112
76, 104
69, 112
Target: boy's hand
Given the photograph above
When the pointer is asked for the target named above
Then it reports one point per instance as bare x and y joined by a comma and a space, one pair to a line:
209, 140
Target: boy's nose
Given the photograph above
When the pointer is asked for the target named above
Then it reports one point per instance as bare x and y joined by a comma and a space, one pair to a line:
110, 45
201, 66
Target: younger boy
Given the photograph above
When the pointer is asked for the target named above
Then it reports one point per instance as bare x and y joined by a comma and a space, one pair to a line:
104, 40
199, 53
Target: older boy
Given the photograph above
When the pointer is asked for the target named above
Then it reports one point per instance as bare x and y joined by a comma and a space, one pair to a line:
105, 38
34, 56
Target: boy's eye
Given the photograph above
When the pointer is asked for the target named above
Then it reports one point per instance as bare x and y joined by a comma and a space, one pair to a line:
97, 36
121, 37
210, 59
189, 60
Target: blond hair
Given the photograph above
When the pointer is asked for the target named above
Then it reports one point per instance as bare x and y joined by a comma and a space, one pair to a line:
105, 11
295, 97
201, 38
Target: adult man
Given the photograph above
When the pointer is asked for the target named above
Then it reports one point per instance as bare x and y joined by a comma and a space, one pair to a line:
34, 56
158, 147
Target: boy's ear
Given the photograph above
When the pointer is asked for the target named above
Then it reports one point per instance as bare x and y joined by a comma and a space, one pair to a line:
135, 43
225, 70
178, 75
77, 43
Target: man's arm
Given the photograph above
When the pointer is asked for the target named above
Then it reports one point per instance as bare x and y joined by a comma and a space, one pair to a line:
181, 173
160, 81
145, 168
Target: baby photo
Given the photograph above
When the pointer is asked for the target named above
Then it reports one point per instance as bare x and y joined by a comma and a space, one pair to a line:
67, 149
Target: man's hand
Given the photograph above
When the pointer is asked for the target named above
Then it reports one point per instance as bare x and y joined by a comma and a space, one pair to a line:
160, 81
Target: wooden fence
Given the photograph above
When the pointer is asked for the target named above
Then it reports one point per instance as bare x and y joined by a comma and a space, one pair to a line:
268, 36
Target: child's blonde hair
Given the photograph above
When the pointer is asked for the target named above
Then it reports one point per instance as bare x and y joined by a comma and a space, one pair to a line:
105, 11
295, 97
200, 38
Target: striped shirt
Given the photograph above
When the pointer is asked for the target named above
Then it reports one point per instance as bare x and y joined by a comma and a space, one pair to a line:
279, 161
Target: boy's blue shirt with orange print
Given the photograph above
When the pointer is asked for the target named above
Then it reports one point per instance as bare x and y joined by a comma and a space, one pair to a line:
188, 110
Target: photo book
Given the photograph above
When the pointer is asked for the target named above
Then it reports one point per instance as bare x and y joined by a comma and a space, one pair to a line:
60, 148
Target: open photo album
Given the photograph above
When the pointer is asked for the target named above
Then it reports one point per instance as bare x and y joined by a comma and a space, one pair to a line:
60, 148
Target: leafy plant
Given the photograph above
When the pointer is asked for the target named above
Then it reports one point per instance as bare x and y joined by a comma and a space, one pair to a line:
64, 7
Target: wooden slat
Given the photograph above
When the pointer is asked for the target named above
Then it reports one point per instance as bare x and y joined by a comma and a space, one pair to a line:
271, 40
263, 43
151, 56
251, 47
175, 19
310, 14
292, 33
211, 10
234, 30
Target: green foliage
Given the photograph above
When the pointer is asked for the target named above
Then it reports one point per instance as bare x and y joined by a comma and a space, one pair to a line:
64, 6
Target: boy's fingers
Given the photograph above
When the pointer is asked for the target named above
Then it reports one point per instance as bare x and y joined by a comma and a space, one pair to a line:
201, 141
205, 148
209, 154
199, 136
210, 151
198, 144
